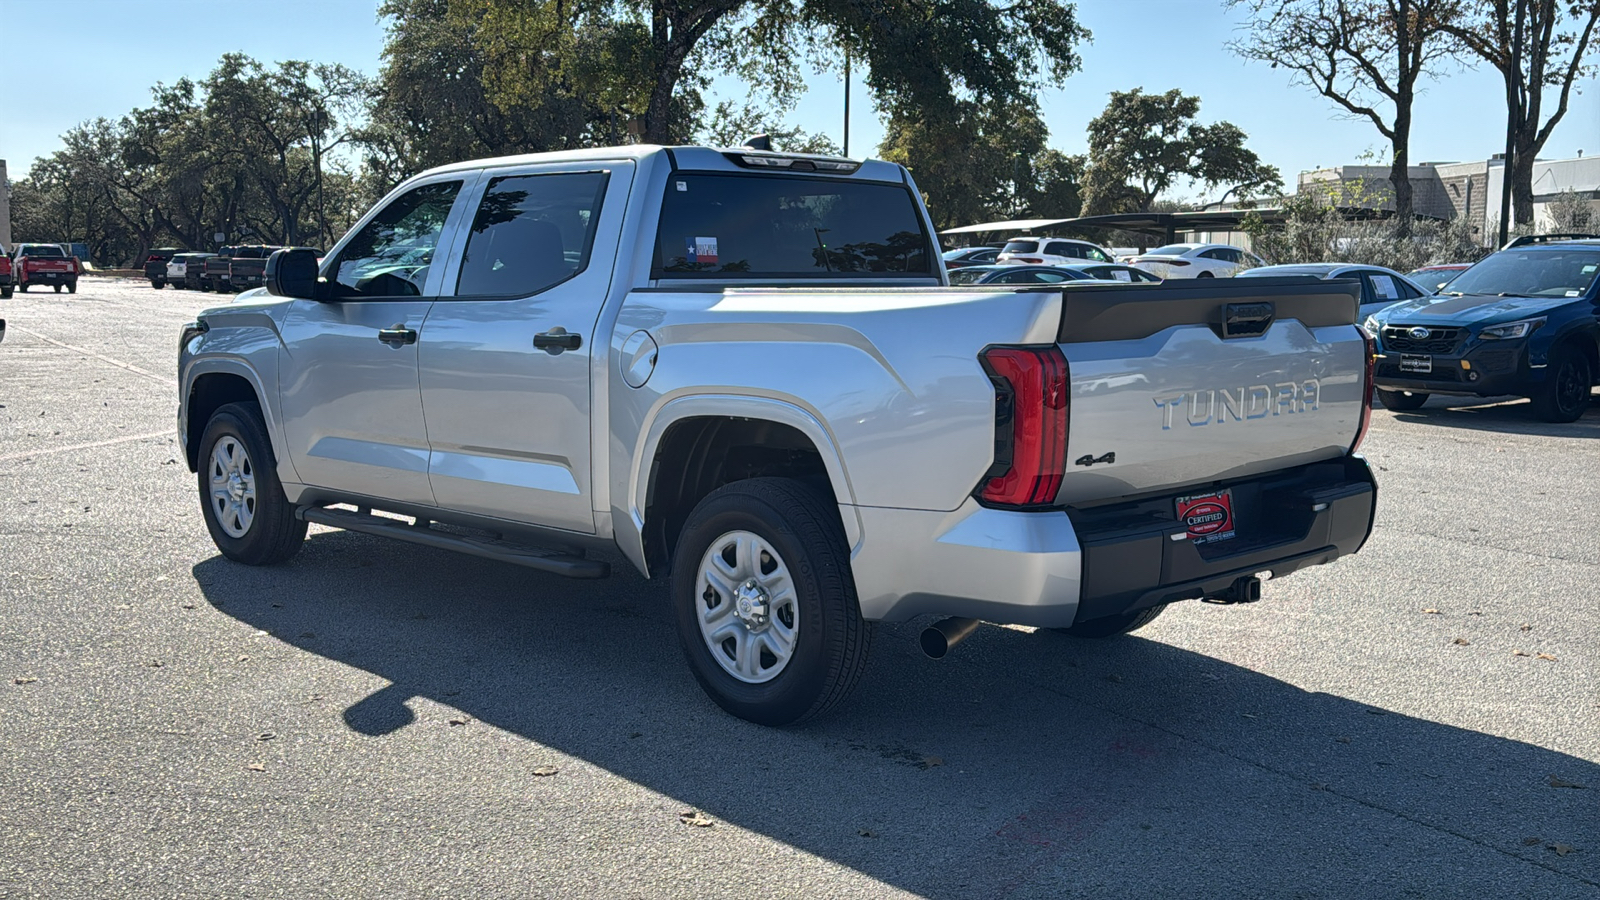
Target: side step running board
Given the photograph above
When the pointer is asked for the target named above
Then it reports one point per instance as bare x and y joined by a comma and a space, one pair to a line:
552, 561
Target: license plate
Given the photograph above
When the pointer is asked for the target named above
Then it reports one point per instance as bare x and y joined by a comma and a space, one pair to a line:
1410, 362
1208, 517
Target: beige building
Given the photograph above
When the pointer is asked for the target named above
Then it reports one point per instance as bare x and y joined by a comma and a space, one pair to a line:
1456, 190
5, 210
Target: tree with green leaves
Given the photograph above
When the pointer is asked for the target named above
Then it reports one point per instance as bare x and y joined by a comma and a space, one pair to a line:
1143, 143
1555, 55
1367, 56
652, 59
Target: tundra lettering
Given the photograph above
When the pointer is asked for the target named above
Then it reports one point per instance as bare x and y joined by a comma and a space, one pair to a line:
1258, 402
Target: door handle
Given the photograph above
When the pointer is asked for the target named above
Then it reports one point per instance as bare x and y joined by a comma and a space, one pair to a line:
397, 336
556, 340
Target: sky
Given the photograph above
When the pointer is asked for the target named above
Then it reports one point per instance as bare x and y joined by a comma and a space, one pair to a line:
108, 66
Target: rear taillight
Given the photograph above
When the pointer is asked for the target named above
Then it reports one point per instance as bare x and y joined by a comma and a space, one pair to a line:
1370, 347
1176, 262
1030, 425
1031, 260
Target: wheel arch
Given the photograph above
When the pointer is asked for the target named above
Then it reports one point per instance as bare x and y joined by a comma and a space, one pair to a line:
211, 385
695, 445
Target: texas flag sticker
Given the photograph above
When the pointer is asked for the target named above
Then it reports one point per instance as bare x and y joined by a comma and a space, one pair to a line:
703, 250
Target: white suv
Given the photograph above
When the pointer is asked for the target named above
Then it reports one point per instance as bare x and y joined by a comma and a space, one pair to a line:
1038, 251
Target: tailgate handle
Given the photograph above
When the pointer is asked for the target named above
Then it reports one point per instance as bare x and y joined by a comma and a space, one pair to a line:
1246, 319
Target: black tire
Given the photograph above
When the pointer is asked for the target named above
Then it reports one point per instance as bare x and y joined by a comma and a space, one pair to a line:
1401, 401
1205, 275
72, 287
831, 639
1564, 395
154, 283
1112, 626
5, 293
205, 285
23, 287
274, 534
57, 287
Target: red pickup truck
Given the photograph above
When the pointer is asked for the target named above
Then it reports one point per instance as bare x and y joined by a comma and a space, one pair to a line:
45, 264
5, 278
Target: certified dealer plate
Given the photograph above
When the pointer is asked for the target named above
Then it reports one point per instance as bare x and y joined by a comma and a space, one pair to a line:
1208, 517
1412, 362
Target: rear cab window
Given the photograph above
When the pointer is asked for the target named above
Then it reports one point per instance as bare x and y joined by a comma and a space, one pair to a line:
747, 226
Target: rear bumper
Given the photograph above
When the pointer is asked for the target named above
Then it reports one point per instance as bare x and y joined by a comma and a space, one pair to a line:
51, 277
1051, 569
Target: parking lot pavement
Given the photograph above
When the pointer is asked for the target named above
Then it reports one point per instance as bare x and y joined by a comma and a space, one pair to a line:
379, 719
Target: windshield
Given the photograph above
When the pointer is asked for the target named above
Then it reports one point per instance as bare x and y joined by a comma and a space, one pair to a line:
1021, 247
771, 226
1530, 273
1171, 250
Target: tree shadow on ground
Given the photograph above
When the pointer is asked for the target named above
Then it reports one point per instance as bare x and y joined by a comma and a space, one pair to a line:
1501, 415
1027, 764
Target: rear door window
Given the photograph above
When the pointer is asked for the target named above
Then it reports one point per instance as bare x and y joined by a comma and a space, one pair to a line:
771, 226
531, 232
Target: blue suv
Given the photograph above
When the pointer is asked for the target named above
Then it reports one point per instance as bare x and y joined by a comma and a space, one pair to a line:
1524, 321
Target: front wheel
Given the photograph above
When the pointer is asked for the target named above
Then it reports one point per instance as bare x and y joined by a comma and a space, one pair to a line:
1565, 393
250, 519
1112, 626
765, 601
1401, 401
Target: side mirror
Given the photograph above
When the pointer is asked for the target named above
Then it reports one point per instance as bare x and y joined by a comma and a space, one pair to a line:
292, 273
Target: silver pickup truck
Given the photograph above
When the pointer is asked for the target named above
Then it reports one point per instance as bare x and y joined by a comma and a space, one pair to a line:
745, 370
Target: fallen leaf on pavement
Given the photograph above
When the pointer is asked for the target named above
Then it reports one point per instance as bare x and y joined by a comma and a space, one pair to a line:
929, 762
188, 606
256, 767
693, 817
1431, 611
1562, 782
865, 833
460, 721
1527, 628
123, 606
1461, 642
1546, 656
545, 771
1518, 653
1531, 841
265, 736
155, 664
24, 679
1561, 849
1342, 740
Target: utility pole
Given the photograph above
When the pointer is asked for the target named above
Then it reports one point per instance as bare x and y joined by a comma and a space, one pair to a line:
847, 103
1513, 113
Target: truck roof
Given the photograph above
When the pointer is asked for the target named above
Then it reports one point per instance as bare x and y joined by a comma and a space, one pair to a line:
685, 157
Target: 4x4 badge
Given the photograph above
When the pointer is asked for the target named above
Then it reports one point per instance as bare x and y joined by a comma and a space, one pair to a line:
1090, 459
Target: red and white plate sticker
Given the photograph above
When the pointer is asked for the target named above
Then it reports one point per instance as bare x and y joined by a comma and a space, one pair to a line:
1208, 517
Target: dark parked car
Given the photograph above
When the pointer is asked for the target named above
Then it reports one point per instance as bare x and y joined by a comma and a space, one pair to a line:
1001, 274
155, 265
969, 256
1111, 272
1522, 322
1380, 287
248, 267
1434, 278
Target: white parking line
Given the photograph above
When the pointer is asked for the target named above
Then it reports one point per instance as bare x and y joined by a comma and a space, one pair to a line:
171, 382
28, 454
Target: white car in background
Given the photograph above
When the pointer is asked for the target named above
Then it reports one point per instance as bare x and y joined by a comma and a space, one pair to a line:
1046, 251
1196, 261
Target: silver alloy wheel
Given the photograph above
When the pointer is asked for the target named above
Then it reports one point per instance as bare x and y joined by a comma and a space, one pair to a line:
233, 486
748, 612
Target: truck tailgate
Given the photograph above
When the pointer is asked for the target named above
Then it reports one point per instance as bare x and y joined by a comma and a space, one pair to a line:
1180, 384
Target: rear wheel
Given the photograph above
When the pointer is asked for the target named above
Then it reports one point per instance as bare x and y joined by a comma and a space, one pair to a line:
72, 287
1112, 626
1565, 393
1401, 401
156, 283
250, 519
765, 602
23, 287
57, 287
5, 293
1205, 275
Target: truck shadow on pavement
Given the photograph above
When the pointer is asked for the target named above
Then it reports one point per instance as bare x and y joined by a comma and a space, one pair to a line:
1026, 764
